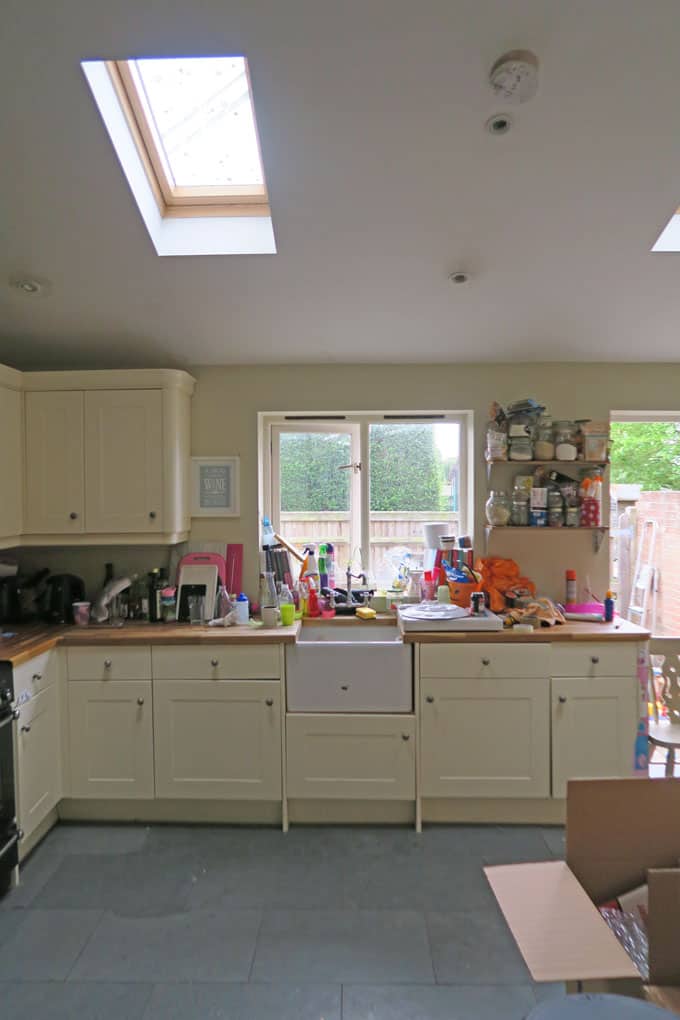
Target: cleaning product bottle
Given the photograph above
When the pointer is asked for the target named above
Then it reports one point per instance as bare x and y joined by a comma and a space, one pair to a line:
323, 566
268, 536
570, 587
312, 571
609, 607
330, 565
242, 609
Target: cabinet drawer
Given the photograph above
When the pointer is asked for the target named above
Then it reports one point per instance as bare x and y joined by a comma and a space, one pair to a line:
216, 662
351, 757
361, 679
492, 661
596, 659
35, 675
109, 662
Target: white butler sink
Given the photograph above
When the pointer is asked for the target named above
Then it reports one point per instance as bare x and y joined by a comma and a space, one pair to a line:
351, 668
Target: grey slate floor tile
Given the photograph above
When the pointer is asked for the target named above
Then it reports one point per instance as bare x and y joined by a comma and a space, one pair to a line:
474, 949
132, 885
441, 1002
35, 872
203, 945
96, 839
46, 943
418, 881
343, 946
70, 1000
244, 1002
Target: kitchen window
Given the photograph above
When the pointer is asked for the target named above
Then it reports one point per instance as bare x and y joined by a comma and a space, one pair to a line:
365, 482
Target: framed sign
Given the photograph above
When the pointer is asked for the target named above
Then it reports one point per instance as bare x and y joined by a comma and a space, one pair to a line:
215, 487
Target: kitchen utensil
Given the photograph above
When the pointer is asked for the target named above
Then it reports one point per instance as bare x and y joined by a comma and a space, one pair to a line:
202, 579
61, 591
81, 613
204, 559
270, 616
196, 605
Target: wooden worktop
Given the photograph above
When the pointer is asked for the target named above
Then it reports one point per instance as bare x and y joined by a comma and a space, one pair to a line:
28, 641
619, 630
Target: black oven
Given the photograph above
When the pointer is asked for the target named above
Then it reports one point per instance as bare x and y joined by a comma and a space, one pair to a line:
9, 833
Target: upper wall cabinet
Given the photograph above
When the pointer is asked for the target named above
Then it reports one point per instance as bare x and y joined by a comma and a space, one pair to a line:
107, 457
11, 455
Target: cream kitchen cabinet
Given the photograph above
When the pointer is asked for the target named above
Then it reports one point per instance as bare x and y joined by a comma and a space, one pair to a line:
11, 456
594, 722
55, 494
38, 759
484, 737
123, 461
218, 739
106, 457
351, 757
110, 735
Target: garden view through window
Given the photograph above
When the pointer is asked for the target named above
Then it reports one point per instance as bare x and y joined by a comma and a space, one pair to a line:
366, 486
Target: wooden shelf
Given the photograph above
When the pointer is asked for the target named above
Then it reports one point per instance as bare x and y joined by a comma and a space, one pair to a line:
550, 463
596, 531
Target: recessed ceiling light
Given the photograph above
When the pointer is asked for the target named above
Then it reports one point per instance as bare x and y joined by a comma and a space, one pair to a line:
459, 277
29, 286
499, 124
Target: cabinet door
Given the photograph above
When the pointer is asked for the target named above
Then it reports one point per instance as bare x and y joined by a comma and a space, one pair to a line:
594, 723
11, 460
485, 738
38, 761
124, 461
367, 757
111, 739
218, 739
54, 464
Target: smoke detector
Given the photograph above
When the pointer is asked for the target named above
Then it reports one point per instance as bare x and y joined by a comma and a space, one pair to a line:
514, 76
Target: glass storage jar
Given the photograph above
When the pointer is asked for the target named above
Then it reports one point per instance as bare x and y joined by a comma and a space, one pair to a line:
519, 515
544, 445
555, 510
498, 508
566, 440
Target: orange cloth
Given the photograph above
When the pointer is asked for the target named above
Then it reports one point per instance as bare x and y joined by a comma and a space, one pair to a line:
498, 576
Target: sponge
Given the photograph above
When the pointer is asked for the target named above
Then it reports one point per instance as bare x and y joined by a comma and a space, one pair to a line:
366, 613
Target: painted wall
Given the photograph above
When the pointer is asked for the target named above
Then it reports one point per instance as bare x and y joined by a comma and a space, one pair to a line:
224, 422
227, 401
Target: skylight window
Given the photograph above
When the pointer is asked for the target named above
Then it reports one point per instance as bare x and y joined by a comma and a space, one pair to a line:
194, 122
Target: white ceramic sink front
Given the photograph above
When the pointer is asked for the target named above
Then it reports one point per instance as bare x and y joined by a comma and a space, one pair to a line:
349, 668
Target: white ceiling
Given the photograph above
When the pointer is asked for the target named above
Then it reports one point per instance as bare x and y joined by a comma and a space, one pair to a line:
382, 182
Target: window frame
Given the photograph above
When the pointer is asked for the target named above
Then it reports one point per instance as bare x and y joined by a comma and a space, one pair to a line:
174, 201
270, 425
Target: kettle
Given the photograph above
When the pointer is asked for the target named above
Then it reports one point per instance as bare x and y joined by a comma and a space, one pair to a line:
62, 590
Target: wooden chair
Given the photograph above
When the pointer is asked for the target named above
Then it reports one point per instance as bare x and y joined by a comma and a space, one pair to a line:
664, 731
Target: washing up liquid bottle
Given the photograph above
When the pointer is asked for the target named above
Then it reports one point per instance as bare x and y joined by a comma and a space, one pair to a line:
312, 571
268, 536
323, 566
330, 565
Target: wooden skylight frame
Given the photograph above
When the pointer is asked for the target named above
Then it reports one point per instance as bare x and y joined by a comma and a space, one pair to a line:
174, 201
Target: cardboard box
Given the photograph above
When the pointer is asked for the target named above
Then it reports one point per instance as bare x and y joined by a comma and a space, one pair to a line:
621, 833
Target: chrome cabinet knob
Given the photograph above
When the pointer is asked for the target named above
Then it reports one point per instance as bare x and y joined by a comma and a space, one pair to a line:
486, 662
269, 702
429, 699
406, 736
562, 700
25, 729
73, 515
152, 515
37, 677
214, 663
16, 714
20, 833
140, 701
344, 687
594, 659
107, 664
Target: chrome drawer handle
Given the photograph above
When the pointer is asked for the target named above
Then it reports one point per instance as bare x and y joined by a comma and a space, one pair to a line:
152, 515
73, 516
214, 663
269, 702
486, 662
107, 664
562, 700
406, 736
37, 677
429, 699
25, 729
594, 659
344, 687
140, 701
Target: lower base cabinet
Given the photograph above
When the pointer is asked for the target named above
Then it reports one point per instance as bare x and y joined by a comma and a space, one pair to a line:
111, 739
485, 737
365, 757
594, 722
218, 739
38, 772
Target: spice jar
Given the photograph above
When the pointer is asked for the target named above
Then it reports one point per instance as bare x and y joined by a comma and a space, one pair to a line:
572, 515
519, 514
544, 446
566, 445
520, 437
555, 510
498, 508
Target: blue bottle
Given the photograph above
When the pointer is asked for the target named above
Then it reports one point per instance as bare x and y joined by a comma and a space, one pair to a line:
608, 607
